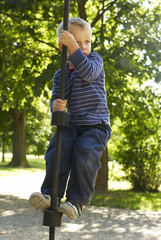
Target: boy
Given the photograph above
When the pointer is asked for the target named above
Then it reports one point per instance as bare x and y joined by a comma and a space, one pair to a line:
89, 130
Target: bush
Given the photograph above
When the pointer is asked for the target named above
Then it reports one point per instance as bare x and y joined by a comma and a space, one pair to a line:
138, 147
143, 170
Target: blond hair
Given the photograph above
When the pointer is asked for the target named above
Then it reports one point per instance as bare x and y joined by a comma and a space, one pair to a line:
74, 21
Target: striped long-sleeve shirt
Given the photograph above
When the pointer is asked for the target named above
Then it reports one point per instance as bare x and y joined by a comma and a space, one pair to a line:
84, 89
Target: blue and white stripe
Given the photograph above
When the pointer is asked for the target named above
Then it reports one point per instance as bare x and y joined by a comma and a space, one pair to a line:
84, 89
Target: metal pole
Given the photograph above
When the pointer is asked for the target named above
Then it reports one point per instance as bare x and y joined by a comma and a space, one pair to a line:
54, 195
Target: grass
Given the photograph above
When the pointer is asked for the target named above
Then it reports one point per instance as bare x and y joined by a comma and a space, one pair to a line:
119, 194
129, 200
37, 164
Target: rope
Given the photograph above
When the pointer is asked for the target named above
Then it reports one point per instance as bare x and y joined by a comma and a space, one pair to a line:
54, 202
64, 50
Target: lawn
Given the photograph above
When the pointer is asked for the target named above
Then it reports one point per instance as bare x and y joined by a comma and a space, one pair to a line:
128, 199
37, 164
119, 194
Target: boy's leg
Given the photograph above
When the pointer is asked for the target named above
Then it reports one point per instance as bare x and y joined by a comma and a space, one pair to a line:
87, 151
42, 200
68, 136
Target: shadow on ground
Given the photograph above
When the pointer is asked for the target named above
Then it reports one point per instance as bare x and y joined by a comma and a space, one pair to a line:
18, 221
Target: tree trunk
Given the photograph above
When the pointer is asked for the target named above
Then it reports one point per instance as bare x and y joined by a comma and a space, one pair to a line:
81, 9
102, 178
19, 139
3, 151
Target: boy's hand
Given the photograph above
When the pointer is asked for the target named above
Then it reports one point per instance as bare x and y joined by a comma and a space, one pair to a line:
59, 105
67, 39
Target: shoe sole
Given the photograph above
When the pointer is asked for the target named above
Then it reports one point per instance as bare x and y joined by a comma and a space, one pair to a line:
66, 210
38, 202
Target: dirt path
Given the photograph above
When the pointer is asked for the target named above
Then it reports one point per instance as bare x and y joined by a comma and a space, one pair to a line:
18, 221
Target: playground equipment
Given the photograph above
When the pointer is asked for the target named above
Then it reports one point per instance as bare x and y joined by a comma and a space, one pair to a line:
52, 217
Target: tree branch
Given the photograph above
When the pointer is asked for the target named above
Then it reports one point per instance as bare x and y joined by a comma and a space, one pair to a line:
49, 44
13, 17
102, 24
30, 17
102, 11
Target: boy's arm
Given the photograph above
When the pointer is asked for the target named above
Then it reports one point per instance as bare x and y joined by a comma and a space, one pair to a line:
88, 68
55, 89
56, 104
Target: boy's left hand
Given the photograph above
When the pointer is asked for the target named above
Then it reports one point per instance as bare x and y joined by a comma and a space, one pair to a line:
59, 105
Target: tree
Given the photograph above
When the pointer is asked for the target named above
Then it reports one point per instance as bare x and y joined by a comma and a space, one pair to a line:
102, 178
5, 132
125, 33
19, 139
24, 54
130, 56
139, 149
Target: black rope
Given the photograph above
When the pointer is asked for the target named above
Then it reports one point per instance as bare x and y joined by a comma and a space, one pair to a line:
54, 195
64, 50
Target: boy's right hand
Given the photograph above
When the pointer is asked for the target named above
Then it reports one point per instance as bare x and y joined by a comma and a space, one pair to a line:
67, 39
59, 105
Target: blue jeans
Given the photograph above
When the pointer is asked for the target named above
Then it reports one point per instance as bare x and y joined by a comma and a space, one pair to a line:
81, 149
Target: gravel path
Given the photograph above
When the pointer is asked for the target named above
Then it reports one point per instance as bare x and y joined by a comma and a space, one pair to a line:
18, 221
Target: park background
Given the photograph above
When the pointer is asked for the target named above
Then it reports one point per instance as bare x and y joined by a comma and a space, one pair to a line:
127, 34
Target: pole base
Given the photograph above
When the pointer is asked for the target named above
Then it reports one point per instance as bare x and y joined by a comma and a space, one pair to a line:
52, 218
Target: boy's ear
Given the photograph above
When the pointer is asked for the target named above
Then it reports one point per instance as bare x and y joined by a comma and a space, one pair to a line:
60, 47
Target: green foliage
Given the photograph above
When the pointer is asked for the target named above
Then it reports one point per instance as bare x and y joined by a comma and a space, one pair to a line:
127, 35
28, 47
6, 123
38, 130
139, 148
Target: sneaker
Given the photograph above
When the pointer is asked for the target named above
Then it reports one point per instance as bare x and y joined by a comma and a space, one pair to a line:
40, 201
69, 210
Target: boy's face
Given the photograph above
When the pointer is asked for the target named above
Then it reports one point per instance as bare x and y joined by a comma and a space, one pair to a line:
83, 38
